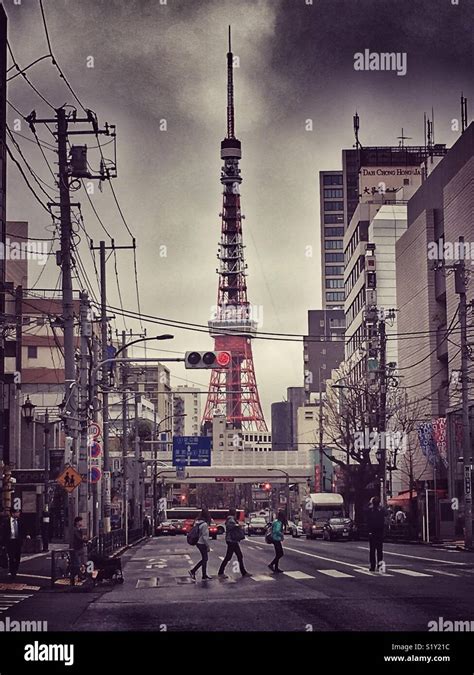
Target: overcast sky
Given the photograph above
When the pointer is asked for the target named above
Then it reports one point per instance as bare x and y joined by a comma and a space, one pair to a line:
154, 61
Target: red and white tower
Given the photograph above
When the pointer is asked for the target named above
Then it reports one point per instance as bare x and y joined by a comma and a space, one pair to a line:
233, 391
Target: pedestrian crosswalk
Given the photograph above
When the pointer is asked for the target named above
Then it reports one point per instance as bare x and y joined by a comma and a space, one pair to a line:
9, 600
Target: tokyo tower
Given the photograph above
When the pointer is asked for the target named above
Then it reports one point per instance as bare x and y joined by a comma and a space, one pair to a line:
233, 390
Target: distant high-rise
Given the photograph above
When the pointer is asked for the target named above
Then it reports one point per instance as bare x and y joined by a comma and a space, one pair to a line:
331, 195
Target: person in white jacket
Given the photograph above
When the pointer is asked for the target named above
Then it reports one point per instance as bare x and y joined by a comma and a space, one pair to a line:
203, 544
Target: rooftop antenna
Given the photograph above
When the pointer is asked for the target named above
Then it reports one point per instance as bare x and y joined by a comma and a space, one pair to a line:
230, 90
403, 138
432, 126
463, 113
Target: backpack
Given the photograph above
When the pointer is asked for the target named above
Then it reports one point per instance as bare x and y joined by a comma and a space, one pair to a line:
238, 534
193, 536
269, 533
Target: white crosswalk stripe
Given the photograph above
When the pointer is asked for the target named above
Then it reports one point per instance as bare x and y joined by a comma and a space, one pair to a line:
372, 574
299, 575
444, 573
9, 600
336, 574
412, 573
262, 577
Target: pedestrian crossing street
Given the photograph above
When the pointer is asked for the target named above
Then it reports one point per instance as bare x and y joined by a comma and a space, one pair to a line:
166, 564
9, 600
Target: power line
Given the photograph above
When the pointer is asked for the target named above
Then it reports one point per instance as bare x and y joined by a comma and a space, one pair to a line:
20, 168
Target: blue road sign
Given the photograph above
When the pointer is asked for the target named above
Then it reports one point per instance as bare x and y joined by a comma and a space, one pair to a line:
191, 451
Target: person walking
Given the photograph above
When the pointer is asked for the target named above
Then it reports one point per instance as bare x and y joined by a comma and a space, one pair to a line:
77, 549
376, 524
203, 544
278, 526
233, 534
13, 535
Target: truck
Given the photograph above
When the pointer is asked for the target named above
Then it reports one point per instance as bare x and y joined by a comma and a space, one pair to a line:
317, 509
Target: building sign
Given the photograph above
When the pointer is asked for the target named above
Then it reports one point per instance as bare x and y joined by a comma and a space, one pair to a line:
377, 180
28, 476
223, 479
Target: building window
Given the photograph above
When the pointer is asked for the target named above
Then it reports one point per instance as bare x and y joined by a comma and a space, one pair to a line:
333, 218
334, 257
334, 283
332, 179
32, 352
334, 271
335, 297
333, 193
334, 206
333, 231
333, 243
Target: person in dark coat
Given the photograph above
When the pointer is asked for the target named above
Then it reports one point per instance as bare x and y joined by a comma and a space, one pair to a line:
233, 534
13, 535
77, 549
376, 525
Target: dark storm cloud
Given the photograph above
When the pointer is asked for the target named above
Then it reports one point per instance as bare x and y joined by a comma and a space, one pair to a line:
155, 62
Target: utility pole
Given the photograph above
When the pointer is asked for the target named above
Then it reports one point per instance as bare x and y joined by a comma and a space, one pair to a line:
460, 277
106, 497
76, 168
124, 438
86, 333
136, 487
105, 388
321, 436
382, 418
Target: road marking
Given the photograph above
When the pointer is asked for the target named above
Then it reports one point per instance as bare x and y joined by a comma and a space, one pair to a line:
447, 574
262, 577
34, 576
322, 557
147, 583
10, 600
336, 574
413, 573
221, 557
416, 557
372, 574
298, 575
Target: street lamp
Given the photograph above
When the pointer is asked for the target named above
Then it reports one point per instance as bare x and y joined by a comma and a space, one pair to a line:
27, 410
288, 506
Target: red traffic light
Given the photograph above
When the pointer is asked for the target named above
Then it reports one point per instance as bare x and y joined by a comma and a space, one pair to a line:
267, 486
223, 359
213, 359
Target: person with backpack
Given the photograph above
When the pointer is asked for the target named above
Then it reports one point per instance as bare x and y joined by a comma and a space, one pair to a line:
278, 526
233, 534
200, 533
376, 525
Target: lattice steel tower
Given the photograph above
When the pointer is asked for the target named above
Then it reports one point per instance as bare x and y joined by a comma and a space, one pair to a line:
233, 391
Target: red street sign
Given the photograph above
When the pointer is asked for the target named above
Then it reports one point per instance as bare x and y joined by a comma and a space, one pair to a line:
224, 479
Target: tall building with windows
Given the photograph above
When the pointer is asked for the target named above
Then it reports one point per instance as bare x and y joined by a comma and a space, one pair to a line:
331, 193
323, 348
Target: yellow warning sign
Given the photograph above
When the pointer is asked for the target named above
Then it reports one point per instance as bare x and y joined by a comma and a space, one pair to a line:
69, 479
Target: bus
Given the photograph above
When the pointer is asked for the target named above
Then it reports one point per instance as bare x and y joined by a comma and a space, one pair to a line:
317, 509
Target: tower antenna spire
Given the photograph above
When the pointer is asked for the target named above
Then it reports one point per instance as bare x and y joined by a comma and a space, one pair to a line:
230, 90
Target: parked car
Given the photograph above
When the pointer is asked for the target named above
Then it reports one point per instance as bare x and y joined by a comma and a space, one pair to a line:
166, 527
339, 528
179, 526
214, 530
294, 529
256, 526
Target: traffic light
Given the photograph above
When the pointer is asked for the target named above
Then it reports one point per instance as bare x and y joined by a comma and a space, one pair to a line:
266, 486
207, 359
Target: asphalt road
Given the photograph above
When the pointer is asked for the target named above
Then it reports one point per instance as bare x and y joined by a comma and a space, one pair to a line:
326, 587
